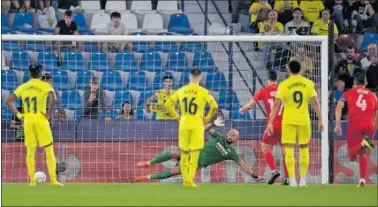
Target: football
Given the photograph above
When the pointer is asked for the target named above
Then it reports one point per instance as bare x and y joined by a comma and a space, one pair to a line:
40, 177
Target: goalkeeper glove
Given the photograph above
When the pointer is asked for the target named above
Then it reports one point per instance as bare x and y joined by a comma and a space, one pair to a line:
219, 122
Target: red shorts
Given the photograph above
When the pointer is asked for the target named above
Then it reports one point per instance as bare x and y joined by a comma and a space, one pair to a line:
275, 138
356, 132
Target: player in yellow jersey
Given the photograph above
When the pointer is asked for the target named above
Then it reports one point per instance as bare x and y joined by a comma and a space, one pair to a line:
34, 95
296, 92
192, 99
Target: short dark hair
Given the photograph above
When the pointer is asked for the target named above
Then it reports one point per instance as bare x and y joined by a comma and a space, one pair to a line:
46, 77
195, 72
294, 66
321, 12
168, 77
131, 110
272, 11
359, 78
35, 70
272, 75
68, 13
115, 15
297, 9
95, 80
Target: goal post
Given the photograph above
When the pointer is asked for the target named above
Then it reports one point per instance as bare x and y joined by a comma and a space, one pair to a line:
111, 154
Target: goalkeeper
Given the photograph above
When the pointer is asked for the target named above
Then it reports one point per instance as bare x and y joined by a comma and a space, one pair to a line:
217, 149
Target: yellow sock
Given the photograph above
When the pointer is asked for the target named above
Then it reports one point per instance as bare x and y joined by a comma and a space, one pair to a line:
184, 165
51, 163
30, 162
193, 164
305, 161
290, 161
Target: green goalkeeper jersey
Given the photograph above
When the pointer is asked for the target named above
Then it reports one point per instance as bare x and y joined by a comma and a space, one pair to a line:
217, 149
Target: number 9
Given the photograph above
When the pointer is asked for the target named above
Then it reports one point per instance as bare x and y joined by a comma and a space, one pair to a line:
298, 98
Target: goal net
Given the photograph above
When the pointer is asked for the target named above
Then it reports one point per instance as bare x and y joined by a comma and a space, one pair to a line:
100, 78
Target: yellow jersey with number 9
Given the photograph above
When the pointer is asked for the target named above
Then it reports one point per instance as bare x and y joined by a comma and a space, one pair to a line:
192, 99
296, 92
34, 95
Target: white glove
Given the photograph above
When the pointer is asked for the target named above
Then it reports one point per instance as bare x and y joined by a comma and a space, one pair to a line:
219, 122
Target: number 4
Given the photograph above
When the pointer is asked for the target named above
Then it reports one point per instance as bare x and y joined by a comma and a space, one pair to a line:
361, 103
271, 103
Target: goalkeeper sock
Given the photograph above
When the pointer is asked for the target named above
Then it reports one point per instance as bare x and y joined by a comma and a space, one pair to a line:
30, 162
363, 164
304, 161
270, 160
290, 161
51, 163
162, 175
162, 157
184, 166
193, 164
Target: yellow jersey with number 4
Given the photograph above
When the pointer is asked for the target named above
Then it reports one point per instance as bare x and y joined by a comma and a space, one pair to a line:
192, 99
34, 95
296, 92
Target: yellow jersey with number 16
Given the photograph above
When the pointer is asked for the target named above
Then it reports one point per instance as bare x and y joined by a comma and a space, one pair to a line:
296, 92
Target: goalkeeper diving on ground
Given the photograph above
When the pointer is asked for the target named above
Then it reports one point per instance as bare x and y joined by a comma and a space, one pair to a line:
219, 148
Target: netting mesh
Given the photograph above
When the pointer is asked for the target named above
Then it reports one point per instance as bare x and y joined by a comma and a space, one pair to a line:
110, 112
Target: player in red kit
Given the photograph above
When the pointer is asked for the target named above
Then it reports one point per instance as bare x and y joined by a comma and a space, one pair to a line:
362, 117
267, 95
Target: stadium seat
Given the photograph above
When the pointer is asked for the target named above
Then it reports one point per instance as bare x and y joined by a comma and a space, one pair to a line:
48, 60
60, 80
167, 6
6, 113
112, 6
13, 45
153, 23
126, 61
141, 7
98, 61
184, 79
368, 39
122, 96
78, 113
192, 46
177, 62
166, 46
179, 23
140, 46
142, 114
224, 103
144, 95
111, 80
99, 22
159, 80
216, 81
151, 61
205, 61
73, 61
20, 60
71, 99
26, 76
83, 78
37, 46
112, 113
138, 81
4, 24
345, 41
130, 21
238, 116
90, 6
23, 22
8, 80
91, 47
79, 19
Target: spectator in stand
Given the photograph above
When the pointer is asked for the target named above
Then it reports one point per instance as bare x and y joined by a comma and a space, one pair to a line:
16, 4
127, 112
285, 10
5, 6
346, 67
340, 89
311, 9
306, 62
116, 27
369, 64
59, 113
341, 12
47, 19
297, 25
320, 27
16, 124
94, 100
362, 16
258, 12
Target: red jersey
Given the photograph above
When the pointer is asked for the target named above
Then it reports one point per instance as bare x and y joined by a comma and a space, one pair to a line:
362, 104
267, 95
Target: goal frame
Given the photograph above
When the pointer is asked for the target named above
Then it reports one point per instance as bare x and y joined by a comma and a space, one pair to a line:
239, 38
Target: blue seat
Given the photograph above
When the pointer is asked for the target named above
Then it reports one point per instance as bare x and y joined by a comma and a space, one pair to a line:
179, 23
159, 80
177, 61
8, 79
368, 39
126, 61
99, 61
83, 78
138, 81
71, 99
60, 80
144, 95
151, 61
236, 115
6, 113
73, 61
140, 46
79, 19
205, 61
48, 60
141, 115
111, 80
224, 102
166, 46
4, 24
122, 96
78, 113
37, 46
13, 46
216, 81
23, 22
193, 46
184, 79
112, 113
91, 46
26, 76
20, 60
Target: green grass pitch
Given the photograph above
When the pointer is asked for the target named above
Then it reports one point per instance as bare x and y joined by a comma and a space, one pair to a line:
176, 195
